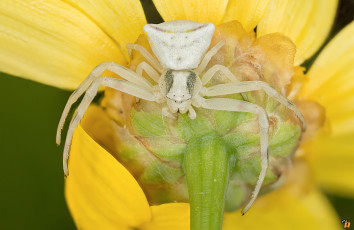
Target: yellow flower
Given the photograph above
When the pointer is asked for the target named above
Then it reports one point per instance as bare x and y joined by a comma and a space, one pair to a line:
60, 42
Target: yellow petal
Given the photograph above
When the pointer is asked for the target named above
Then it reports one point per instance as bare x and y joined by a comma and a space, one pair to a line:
100, 192
200, 11
170, 9
332, 163
51, 42
248, 12
172, 216
331, 81
306, 22
121, 20
282, 210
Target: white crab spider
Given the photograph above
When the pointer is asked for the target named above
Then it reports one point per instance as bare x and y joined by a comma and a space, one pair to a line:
180, 47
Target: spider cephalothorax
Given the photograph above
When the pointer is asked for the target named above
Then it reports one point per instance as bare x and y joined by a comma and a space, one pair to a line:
179, 87
181, 48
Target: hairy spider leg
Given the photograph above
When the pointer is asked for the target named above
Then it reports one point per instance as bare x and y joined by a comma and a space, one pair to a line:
117, 84
148, 56
123, 72
144, 66
243, 106
203, 64
246, 86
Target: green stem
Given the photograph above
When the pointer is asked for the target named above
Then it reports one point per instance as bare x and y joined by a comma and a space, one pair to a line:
207, 166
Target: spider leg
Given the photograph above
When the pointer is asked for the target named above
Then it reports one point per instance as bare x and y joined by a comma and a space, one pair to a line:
143, 66
213, 70
241, 87
118, 84
125, 73
148, 56
243, 106
166, 113
203, 64
191, 113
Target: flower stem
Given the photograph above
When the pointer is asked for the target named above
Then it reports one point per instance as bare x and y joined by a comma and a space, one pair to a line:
207, 165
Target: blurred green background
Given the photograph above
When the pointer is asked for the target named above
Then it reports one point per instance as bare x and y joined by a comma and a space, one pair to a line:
32, 182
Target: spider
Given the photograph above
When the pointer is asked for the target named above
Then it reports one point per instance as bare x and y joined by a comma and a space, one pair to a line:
181, 49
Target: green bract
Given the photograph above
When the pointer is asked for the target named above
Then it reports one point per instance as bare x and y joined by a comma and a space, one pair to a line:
157, 150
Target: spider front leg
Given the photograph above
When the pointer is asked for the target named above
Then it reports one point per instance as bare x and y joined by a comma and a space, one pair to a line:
203, 64
243, 106
213, 70
118, 84
143, 66
241, 87
146, 55
125, 73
